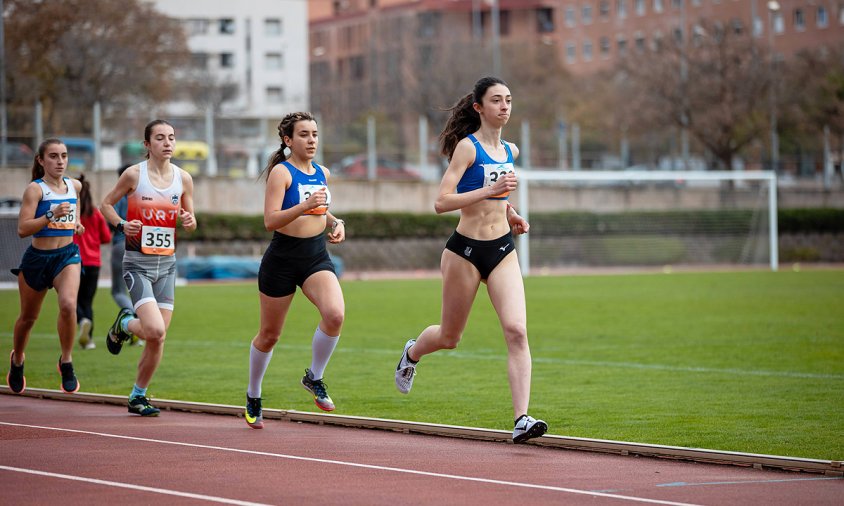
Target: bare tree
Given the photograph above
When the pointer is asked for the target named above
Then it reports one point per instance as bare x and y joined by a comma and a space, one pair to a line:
716, 85
71, 54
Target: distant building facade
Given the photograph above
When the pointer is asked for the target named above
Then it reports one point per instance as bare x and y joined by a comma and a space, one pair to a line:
250, 60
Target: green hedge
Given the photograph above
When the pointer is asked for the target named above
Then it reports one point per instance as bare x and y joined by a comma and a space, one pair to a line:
217, 227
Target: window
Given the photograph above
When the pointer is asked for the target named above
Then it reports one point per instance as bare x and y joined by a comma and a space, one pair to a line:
227, 26
821, 17
199, 60
570, 16
621, 8
658, 6
640, 7
677, 3
586, 14
605, 47
428, 24
779, 22
272, 27
545, 20
656, 42
621, 43
640, 42
571, 52
357, 68
737, 25
587, 50
275, 94
195, 26
799, 20
604, 9
273, 61
227, 60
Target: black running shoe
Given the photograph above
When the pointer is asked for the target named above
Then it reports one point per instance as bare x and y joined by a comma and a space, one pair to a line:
317, 388
69, 382
254, 416
116, 335
140, 406
15, 379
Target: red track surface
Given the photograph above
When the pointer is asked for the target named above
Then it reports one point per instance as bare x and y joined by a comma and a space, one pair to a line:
183, 458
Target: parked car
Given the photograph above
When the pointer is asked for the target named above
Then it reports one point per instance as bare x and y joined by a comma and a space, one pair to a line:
356, 167
19, 154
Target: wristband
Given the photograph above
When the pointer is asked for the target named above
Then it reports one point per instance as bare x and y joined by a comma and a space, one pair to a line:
50, 216
336, 222
119, 226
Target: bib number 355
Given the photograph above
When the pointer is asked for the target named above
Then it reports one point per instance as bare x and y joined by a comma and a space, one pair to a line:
158, 240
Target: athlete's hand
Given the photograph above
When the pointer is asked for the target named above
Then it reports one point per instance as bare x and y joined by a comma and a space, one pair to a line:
80, 229
61, 210
337, 233
132, 228
188, 220
504, 184
518, 224
317, 198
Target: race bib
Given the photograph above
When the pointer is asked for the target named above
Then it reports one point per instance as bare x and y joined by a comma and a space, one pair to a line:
158, 240
305, 192
66, 222
492, 171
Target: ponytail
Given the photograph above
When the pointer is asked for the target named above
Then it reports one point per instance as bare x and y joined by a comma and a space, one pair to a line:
86, 204
464, 119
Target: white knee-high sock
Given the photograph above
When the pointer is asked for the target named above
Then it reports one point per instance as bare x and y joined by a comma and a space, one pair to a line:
258, 362
322, 347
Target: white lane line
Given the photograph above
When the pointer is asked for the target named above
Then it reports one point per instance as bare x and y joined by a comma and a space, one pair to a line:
499, 357
355, 464
141, 488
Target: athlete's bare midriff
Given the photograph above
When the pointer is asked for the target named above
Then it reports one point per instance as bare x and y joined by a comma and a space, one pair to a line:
485, 220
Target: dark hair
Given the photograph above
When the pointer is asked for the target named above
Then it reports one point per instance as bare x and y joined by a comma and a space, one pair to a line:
85, 202
122, 169
464, 119
148, 130
37, 168
285, 129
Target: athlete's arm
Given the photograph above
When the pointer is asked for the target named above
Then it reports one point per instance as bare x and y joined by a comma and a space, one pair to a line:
126, 184
27, 224
186, 212
278, 182
463, 157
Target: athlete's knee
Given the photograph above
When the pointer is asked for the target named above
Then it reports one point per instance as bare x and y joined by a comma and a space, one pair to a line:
26, 321
450, 340
154, 333
67, 306
332, 322
267, 337
515, 334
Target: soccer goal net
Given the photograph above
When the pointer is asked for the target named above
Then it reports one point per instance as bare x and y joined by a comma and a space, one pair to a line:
603, 219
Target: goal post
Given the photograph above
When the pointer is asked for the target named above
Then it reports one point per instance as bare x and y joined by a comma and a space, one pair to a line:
647, 218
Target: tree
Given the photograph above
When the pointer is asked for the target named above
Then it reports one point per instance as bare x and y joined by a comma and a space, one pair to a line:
717, 85
70, 54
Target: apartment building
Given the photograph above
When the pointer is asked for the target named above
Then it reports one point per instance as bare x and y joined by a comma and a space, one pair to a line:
254, 52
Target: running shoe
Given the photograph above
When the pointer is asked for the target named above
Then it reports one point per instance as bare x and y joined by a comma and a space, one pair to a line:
85, 340
15, 379
116, 335
527, 427
254, 416
406, 370
317, 388
69, 382
140, 405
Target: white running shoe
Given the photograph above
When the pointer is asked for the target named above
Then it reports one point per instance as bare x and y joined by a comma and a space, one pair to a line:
527, 427
85, 340
406, 370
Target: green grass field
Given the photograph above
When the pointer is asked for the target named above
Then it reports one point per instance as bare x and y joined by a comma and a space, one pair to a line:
742, 361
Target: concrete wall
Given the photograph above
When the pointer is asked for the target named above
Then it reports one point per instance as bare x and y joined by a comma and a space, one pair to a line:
246, 196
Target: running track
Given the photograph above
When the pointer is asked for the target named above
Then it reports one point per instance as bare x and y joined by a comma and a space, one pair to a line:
58, 452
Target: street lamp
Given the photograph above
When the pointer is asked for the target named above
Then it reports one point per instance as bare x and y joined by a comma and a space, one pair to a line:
773, 8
